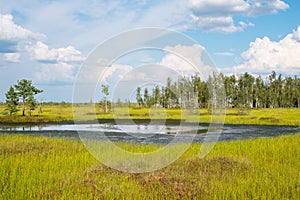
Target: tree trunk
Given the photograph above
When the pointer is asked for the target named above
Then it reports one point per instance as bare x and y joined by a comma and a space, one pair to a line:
105, 106
23, 107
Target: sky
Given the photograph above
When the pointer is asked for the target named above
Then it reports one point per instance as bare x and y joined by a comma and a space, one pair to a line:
47, 41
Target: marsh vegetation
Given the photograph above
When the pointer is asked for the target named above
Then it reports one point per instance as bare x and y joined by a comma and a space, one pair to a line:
45, 168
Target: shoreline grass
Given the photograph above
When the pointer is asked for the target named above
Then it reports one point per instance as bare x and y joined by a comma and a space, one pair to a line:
56, 168
64, 114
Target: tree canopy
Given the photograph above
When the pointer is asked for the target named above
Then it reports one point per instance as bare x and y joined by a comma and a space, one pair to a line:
23, 91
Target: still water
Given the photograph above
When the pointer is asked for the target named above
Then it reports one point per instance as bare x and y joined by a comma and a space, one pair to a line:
147, 133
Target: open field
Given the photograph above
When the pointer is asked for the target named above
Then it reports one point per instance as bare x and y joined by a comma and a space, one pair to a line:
45, 168
63, 113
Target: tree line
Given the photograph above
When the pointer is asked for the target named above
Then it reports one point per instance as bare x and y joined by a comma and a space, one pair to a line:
242, 91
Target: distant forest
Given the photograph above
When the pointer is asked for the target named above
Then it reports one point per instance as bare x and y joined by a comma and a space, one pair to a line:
242, 91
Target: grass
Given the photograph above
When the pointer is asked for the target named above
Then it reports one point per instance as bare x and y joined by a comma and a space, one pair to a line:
62, 113
49, 168
270, 116
57, 113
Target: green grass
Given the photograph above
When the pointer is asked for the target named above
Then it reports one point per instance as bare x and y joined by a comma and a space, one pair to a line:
62, 113
48, 168
50, 114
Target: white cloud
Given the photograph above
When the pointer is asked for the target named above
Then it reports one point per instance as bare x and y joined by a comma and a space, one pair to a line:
69, 54
12, 57
245, 25
102, 72
218, 24
115, 73
262, 7
183, 58
296, 34
264, 56
59, 72
187, 60
13, 32
218, 7
56, 64
217, 15
224, 54
41, 52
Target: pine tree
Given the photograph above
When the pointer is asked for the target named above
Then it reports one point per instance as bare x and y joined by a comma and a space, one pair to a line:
12, 101
25, 89
31, 104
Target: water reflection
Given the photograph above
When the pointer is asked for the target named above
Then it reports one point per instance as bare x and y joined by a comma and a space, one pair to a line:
134, 129
147, 133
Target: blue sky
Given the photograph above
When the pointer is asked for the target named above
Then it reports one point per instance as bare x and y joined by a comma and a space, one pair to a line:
47, 41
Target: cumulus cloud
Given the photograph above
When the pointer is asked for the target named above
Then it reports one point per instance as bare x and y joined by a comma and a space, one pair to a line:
12, 57
115, 73
13, 32
217, 15
56, 64
262, 7
42, 53
59, 72
183, 58
187, 60
69, 54
219, 23
296, 34
103, 72
264, 56
11, 35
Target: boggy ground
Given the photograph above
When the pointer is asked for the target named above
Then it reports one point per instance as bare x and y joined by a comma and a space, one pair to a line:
48, 168
62, 113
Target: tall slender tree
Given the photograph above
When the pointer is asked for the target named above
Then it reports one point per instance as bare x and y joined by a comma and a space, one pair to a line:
156, 96
139, 98
106, 93
174, 96
167, 93
146, 99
